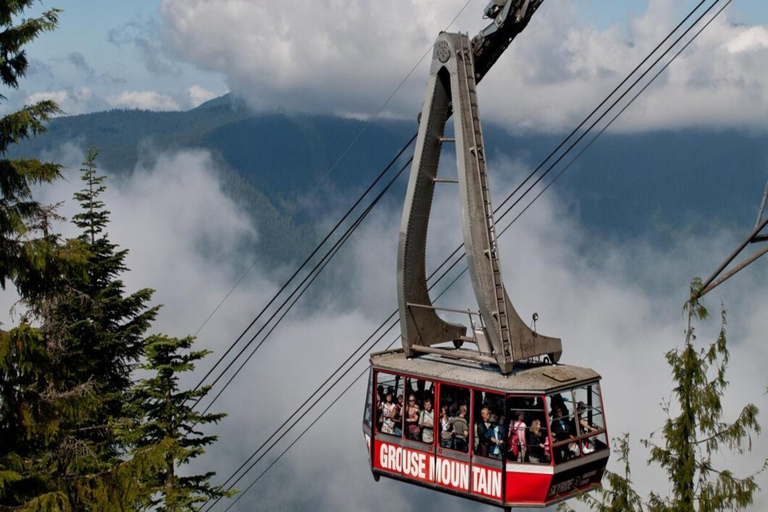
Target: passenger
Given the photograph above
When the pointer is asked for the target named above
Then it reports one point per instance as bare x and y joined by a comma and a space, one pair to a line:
412, 429
388, 414
461, 430
537, 445
446, 428
399, 416
517, 442
498, 437
561, 428
483, 433
379, 409
420, 393
561, 431
380, 392
584, 425
557, 401
427, 421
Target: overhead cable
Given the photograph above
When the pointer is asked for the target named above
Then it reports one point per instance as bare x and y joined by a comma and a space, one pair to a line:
354, 206
558, 175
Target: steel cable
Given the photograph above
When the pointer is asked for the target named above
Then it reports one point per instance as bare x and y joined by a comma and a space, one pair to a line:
327, 237
503, 231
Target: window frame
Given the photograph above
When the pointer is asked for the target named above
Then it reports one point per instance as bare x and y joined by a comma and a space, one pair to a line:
579, 436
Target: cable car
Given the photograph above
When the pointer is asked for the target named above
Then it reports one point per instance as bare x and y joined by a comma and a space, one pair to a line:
533, 438
502, 421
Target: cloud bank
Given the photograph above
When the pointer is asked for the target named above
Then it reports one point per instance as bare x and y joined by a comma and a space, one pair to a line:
617, 309
143, 100
346, 57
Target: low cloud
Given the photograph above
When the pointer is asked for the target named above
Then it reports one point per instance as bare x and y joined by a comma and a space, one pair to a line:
617, 309
143, 100
186, 238
71, 102
199, 95
347, 57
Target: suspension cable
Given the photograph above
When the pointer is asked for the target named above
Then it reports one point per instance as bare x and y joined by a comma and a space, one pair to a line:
306, 261
314, 252
501, 233
314, 273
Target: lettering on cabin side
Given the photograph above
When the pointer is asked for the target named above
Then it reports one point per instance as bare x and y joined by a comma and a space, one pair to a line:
450, 473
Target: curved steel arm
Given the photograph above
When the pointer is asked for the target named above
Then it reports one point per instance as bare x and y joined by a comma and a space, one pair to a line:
452, 82
510, 17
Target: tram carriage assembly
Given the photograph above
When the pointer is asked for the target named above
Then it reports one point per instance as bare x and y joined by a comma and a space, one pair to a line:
510, 426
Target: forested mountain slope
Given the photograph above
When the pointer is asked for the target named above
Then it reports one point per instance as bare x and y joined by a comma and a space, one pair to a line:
277, 166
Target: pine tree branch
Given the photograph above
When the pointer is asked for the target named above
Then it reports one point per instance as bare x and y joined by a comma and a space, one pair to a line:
736, 425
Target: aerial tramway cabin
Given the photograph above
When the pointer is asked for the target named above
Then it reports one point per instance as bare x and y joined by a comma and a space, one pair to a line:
566, 462
503, 423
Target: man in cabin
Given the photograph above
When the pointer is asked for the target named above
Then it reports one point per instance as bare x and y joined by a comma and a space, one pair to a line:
484, 433
427, 421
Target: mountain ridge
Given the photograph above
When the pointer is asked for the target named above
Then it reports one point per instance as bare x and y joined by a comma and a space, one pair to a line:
627, 185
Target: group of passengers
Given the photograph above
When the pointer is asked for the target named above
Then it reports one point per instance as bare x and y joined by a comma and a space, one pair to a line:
525, 439
564, 429
418, 412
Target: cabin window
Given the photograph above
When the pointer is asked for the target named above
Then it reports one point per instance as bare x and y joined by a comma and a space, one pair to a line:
419, 410
453, 419
590, 421
577, 423
388, 410
489, 434
368, 411
527, 427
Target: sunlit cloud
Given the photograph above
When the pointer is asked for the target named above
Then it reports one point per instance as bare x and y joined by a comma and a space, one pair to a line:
335, 59
143, 100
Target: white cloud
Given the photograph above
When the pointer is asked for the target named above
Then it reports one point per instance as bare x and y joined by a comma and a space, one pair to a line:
185, 237
347, 56
199, 95
143, 100
71, 102
617, 309
752, 39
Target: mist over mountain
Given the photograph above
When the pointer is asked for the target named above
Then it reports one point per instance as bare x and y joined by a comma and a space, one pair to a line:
604, 258
289, 169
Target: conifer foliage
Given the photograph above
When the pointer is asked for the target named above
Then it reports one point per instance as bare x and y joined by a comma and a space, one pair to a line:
26, 250
70, 437
167, 420
693, 435
65, 381
76, 431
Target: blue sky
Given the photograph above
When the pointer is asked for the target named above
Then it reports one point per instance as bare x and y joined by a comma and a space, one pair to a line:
173, 54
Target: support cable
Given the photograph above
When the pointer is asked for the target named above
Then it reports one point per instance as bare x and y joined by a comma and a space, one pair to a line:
313, 275
539, 167
526, 208
296, 273
294, 422
335, 164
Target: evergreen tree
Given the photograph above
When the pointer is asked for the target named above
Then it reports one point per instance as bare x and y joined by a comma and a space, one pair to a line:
26, 247
104, 327
168, 420
693, 432
66, 382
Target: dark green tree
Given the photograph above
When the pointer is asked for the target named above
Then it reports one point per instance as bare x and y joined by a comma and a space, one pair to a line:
168, 422
27, 249
104, 326
694, 432
64, 396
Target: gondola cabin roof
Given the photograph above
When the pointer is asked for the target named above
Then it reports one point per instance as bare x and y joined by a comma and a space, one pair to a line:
542, 378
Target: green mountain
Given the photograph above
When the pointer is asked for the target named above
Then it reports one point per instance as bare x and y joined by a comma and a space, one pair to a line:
283, 167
